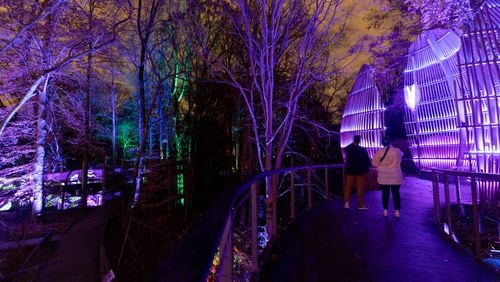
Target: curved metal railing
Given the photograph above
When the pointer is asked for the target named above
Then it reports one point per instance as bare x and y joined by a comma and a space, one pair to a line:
232, 239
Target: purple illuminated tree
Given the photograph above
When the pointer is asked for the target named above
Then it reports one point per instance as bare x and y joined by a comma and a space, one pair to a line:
272, 52
40, 50
441, 13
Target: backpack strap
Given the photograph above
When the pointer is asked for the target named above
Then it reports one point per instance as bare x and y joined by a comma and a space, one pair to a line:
385, 153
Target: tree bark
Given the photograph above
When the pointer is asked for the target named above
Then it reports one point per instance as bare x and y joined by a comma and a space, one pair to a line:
31, 93
38, 190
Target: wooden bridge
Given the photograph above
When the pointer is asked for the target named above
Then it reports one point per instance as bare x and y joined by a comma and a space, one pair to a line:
330, 243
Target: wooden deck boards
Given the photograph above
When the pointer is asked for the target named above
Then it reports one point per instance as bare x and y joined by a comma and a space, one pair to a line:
77, 255
330, 243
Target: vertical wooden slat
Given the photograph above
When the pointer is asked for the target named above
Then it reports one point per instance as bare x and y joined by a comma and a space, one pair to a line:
327, 190
309, 194
275, 205
435, 189
448, 204
475, 218
226, 252
457, 191
254, 206
292, 195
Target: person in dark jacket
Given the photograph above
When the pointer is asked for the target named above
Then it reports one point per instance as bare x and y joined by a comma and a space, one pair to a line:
358, 165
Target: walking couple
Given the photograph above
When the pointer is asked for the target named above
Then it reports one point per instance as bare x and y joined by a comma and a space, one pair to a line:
387, 161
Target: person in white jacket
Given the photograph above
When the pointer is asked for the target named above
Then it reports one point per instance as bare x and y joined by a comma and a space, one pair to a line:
389, 175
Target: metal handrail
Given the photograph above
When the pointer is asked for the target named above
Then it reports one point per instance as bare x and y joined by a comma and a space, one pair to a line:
34, 255
232, 238
483, 200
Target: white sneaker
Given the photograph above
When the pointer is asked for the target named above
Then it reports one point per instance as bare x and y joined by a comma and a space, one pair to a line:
396, 213
346, 205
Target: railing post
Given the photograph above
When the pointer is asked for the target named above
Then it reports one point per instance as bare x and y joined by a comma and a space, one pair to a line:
343, 181
435, 190
292, 195
63, 195
271, 202
309, 195
274, 210
457, 190
226, 252
275, 205
254, 224
475, 218
327, 190
448, 204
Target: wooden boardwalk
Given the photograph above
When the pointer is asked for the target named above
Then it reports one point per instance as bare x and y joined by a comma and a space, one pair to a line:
330, 243
77, 255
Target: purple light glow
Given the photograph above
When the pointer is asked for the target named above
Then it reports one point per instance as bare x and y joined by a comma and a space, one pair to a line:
412, 96
452, 93
430, 123
363, 113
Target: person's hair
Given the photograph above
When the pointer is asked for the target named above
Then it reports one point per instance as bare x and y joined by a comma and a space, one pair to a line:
386, 141
357, 139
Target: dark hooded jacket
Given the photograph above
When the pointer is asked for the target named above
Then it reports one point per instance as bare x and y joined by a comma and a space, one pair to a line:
357, 160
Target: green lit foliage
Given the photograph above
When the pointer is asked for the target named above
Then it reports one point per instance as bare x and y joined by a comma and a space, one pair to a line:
127, 137
52, 200
7, 187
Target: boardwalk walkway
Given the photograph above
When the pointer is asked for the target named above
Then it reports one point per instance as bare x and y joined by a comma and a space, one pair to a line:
330, 243
77, 255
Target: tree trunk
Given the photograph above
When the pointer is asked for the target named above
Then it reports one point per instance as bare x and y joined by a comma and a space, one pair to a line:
143, 123
86, 148
113, 116
41, 135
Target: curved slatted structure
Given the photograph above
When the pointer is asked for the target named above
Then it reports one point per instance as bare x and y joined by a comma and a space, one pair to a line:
363, 114
478, 98
431, 116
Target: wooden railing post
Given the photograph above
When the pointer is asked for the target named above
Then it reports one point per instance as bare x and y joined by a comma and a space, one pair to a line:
225, 272
448, 204
457, 190
254, 224
271, 205
275, 206
343, 181
475, 217
435, 190
327, 190
292, 195
309, 194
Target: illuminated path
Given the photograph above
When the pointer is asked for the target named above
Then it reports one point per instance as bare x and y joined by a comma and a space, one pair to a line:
333, 244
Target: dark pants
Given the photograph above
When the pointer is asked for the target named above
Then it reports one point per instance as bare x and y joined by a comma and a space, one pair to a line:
394, 189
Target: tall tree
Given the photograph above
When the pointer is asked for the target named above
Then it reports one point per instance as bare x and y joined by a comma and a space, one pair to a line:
147, 19
292, 38
41, 50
